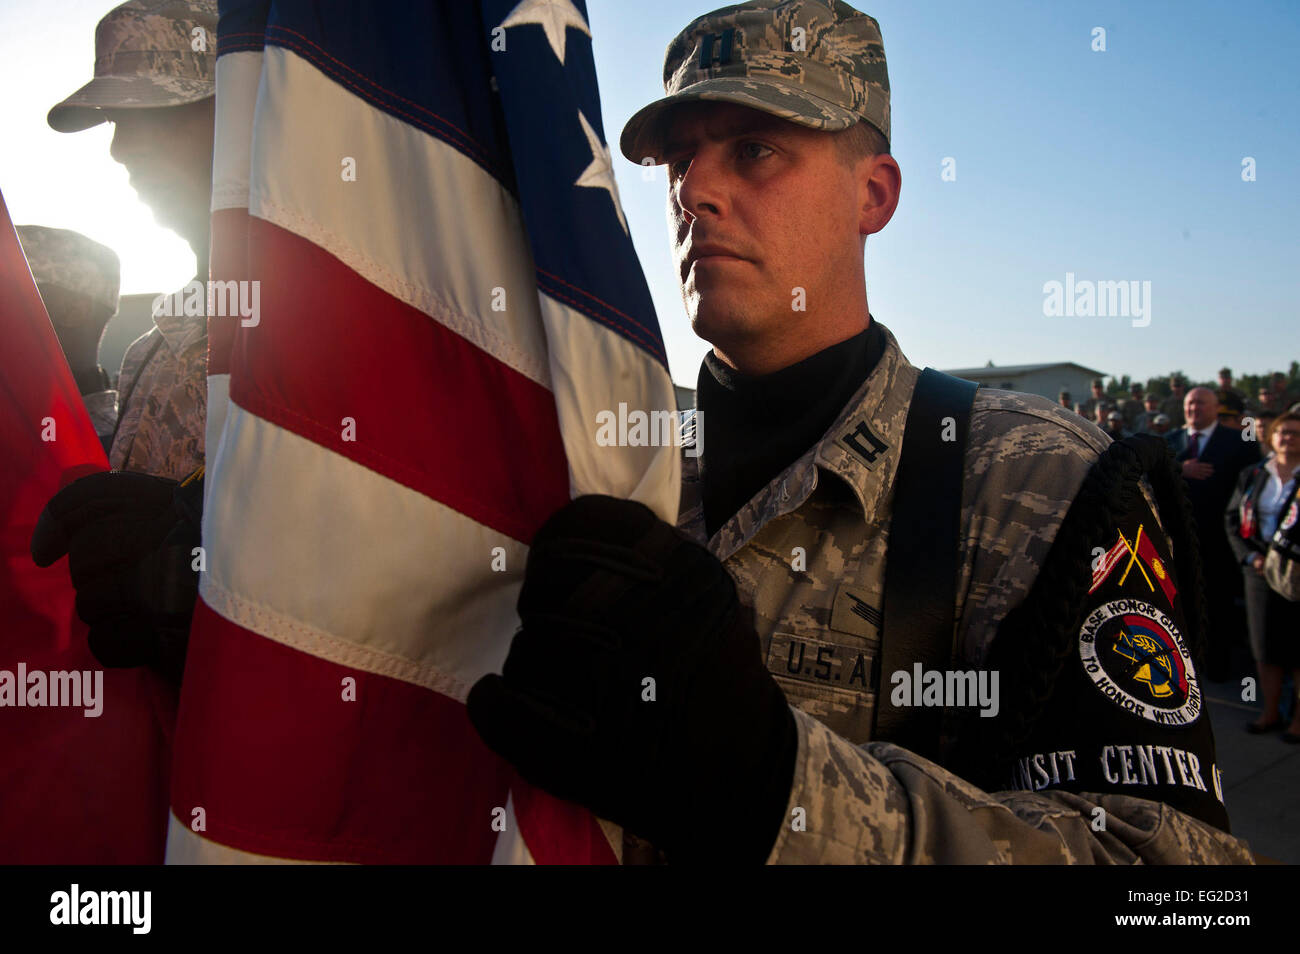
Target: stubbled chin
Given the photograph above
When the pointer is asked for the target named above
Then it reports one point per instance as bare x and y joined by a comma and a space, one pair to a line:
715, 320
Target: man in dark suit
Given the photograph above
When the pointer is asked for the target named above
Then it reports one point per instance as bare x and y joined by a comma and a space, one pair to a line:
1212, 456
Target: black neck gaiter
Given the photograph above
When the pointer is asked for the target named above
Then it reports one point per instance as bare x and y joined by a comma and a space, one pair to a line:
755, 427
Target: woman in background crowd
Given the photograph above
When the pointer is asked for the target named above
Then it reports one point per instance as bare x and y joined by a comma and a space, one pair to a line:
1264, 496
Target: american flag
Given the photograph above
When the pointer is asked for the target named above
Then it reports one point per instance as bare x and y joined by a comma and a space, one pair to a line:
448, 297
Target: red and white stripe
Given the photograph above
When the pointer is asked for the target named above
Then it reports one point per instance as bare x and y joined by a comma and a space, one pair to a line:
365, 565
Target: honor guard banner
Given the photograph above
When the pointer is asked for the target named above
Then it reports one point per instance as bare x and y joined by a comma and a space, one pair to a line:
83, 750
420, 201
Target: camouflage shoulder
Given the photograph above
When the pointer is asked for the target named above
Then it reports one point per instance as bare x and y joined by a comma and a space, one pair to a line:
141, 344
1014, 418
133, 358
1026, 459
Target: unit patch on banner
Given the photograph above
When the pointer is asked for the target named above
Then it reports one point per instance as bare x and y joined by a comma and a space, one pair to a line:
1135, 656
1291, 513
1124, 714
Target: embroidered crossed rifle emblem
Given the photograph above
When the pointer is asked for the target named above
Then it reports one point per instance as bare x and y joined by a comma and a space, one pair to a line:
1133, 558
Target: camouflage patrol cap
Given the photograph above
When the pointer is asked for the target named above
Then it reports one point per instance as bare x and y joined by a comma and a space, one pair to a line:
818, 63
70, 260
147, 54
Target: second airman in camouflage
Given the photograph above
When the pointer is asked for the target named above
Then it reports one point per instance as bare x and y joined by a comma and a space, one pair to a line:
758, 626
155, 80
136, 580
78, 280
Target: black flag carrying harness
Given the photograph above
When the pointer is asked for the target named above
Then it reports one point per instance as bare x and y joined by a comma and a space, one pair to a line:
1100, 666
921, 578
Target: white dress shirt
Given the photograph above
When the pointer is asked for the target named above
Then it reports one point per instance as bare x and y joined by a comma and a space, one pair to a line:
1271, 497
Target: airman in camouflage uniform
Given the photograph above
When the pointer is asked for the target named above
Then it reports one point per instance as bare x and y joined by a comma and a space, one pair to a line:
808, 554
1172, 406
78, 281
1026, 460
1087, 408
129, 532
153, 55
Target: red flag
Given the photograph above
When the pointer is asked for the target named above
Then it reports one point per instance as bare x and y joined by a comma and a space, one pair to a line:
1147, 554
75, 787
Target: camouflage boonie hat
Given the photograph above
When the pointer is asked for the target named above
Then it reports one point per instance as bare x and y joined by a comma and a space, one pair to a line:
72, 261
145, 57
818, 63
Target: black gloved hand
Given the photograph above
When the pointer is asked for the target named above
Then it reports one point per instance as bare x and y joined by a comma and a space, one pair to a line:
129, 539
614, 596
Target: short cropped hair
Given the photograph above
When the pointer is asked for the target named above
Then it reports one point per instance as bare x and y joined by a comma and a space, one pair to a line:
860, 141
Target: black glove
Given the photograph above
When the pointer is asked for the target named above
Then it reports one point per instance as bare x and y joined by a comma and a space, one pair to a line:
613, 596
129, 539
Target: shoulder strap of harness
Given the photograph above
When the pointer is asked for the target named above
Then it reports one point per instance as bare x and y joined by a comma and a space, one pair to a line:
125, 399
922, 560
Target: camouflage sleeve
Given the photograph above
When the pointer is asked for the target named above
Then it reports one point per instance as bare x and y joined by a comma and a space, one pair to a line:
881, 804
130, 404
163, 400
1025, 462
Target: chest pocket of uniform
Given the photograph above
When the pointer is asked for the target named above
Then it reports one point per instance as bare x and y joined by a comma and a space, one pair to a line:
831, 676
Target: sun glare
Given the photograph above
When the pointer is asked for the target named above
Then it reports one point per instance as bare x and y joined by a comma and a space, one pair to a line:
69, 180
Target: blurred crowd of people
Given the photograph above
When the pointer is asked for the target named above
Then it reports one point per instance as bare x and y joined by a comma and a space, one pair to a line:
1240, 459
1141, 411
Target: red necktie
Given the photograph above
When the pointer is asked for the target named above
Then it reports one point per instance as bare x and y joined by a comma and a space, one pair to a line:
1196, 443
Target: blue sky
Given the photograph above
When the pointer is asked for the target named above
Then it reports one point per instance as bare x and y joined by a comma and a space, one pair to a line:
1122, 165
1116, 166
